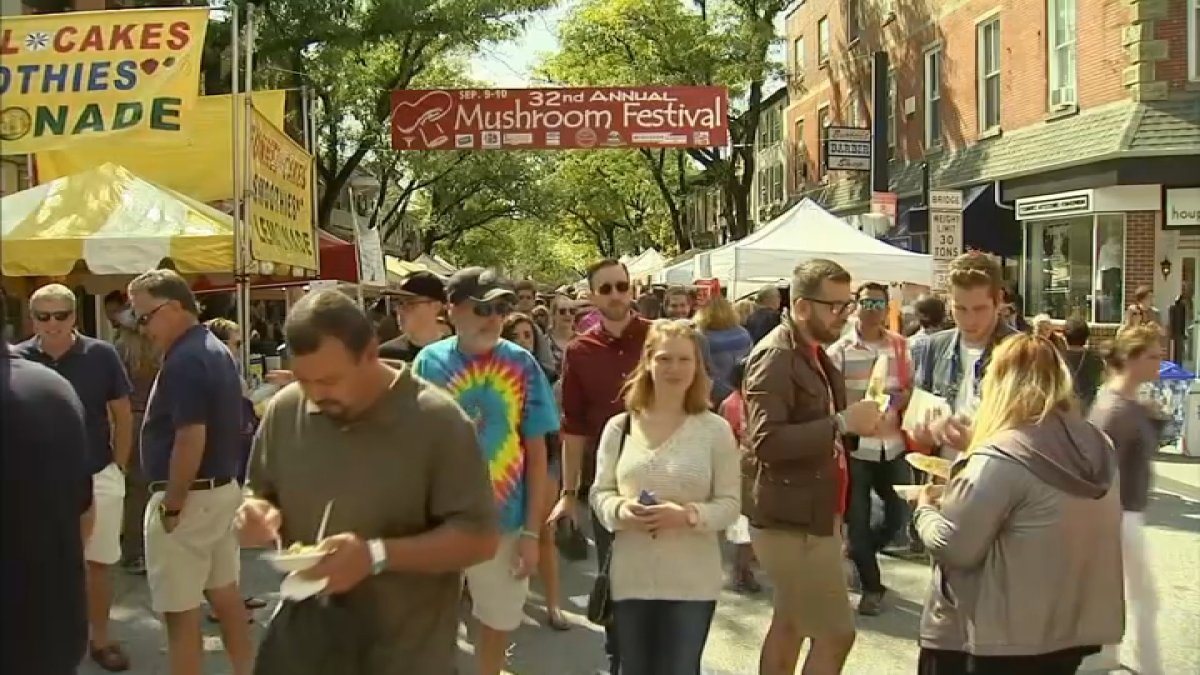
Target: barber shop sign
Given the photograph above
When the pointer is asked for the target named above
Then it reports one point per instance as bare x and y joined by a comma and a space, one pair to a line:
1183, 209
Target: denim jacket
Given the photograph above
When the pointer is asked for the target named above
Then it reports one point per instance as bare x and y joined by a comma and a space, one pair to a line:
937, 361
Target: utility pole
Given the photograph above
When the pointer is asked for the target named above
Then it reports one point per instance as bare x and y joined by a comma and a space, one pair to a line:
880, 102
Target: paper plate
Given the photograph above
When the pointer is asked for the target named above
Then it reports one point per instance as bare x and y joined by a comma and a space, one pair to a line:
293, 562
296, 587
934, 466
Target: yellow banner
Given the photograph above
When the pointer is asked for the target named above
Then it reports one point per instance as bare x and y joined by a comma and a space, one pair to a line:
77, 74
199, 163
281, 216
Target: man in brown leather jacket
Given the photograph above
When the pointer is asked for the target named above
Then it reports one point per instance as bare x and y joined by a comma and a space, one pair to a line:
796, 418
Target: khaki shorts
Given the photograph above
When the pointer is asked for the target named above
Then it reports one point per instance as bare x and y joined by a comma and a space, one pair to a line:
498, 597
200, 554
108, 496
809, 581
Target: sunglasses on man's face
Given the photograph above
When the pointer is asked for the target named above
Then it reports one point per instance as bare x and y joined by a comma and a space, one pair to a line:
607, 289
62, 315
144, 319
489, 309
872, 304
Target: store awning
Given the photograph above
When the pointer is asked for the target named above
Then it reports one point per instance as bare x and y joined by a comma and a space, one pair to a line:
112, 222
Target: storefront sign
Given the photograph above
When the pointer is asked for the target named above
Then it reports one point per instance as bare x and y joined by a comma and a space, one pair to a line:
85, 74
1054, 206
885, 203
281, 213
1183, 209
848, 149
560, 119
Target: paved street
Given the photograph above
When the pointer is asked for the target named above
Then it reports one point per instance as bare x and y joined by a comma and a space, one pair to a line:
886, 644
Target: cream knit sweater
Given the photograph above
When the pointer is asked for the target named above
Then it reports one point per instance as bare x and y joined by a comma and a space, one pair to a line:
700, 465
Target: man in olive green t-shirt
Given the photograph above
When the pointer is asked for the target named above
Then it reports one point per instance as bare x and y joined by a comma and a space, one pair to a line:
412, 502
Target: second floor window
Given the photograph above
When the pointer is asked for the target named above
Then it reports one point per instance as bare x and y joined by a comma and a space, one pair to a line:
1060, 35
798, 57
892, 94
823, 41
933, 97
987, 42
800, 156
1193, 39
853, 20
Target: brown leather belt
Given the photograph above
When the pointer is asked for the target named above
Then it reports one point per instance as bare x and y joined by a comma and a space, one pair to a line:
198, 484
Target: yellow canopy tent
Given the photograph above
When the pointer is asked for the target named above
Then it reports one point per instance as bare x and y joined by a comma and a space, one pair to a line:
112, 222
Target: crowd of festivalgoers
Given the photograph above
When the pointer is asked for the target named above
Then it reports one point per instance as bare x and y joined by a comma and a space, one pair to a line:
478, 436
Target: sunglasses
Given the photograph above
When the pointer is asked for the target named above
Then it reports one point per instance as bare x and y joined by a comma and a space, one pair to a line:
489, 309
145, 318
566, 311
57, 316
620, 287
872, 304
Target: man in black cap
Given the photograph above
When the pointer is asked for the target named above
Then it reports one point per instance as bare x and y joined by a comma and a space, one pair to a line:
422, 299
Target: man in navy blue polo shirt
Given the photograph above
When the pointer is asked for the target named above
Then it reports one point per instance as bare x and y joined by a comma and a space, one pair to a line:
94, 370
45, 504
191, 438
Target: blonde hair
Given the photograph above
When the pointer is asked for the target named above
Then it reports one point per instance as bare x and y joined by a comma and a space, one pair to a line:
224, 329
1040, 321
717, 314
639, 388
141, 358
744, 308
1131, 343
1025, 382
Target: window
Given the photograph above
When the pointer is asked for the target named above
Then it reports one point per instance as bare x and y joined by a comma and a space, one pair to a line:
1075, 267
933, 97
1193, 39
823, 41
987, 46
853, 20
798, 57
823, 134
892, 94
1060, 34
800, 154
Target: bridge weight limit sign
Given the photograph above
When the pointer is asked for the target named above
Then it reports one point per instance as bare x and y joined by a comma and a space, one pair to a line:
946, 233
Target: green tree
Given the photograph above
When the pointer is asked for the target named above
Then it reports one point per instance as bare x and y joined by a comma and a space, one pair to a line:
353, 54
713, 42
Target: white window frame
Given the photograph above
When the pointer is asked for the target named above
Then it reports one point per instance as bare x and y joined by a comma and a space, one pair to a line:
798, 56
893, 92
800, 153
1063, 90
1193, 40
932, 89
854, 20
823, 41
983, 75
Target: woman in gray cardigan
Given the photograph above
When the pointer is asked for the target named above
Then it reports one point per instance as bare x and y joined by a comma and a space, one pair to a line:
1027, 538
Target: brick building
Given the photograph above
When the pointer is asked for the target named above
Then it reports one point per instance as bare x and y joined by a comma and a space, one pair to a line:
1071, 126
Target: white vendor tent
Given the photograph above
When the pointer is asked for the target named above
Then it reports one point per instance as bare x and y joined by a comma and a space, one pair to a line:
808, 231
645, 264
679, 270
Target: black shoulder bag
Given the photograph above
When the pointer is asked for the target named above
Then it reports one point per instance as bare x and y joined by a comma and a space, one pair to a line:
600, 602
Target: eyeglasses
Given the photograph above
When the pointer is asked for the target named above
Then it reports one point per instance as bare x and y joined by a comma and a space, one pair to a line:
63, 315
620, 287
835, 307
565, 311
144, 319
874, 304
484, 310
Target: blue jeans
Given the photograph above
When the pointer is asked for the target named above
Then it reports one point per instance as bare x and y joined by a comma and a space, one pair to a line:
865, 541
662, 637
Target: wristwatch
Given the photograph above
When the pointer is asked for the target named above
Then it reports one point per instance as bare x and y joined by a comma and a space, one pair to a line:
569, 492
378, 555
164, 512
839, 419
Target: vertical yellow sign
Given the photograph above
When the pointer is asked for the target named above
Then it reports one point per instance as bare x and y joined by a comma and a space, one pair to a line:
281, 207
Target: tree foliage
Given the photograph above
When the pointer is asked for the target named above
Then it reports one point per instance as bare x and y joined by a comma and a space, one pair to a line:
711, 42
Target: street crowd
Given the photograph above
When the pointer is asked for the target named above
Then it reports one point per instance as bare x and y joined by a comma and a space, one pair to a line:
456, 461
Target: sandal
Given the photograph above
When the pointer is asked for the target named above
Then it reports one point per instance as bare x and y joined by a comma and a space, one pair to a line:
110, 658
555, 621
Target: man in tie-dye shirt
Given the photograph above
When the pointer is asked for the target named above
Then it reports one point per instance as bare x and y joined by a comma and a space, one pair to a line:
504, 390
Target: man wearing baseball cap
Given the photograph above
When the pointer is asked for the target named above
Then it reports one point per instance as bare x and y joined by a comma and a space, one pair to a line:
504, 391
422, 299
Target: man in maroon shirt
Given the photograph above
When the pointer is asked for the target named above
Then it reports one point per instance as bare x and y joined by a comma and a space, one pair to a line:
595, 367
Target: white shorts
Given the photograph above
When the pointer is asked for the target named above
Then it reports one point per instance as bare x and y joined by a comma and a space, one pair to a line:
108, 498
497, 596
200, 554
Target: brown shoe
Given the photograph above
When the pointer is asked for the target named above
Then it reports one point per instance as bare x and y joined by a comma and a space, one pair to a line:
111, 658
871, 603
